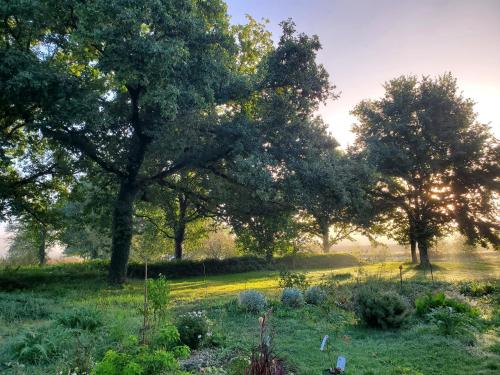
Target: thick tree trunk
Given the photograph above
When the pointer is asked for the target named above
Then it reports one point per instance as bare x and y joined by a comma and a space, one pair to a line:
413, 247
42, 254
179, 239
122, 232
325, 237
424, 253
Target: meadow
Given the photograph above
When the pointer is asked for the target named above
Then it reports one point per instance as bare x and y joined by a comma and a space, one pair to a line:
36, 314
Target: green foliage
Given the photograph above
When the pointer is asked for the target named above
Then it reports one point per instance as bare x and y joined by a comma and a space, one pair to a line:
252, 301
193, 328
17, 307
426, 303
159, 296
315, 295
381, 309
145, 362
290, 279
292, 297
451, 322
477, 288
39, 347
81, 318
167, 337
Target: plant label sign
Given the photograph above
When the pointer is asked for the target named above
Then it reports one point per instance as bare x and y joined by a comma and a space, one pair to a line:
341, 363
323, 343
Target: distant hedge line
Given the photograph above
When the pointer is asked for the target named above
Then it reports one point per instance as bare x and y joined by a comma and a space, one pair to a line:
183, 268
14, 278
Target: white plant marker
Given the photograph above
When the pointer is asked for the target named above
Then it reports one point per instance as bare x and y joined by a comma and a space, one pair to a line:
341, 363
323, 343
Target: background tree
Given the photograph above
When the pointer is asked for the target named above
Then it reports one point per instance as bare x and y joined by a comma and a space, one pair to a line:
438, 165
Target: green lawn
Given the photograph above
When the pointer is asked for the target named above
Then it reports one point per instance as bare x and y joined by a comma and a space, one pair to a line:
414, 349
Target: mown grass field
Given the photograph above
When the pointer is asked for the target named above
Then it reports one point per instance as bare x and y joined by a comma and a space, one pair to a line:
417, 348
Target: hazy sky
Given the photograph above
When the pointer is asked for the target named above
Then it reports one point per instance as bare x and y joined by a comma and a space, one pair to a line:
366, 43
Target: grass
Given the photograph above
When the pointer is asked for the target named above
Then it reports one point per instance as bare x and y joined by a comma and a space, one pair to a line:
415, 349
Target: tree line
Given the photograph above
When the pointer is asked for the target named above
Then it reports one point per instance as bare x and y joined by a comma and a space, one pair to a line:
146, 122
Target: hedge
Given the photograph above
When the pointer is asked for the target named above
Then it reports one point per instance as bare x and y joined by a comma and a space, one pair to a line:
184, 268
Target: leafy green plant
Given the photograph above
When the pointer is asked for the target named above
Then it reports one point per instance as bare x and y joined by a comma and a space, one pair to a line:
158, 297
449, 321
83, 318
39, 347
292, 297
477, 288
426, 303
315, 295
145, 362
169, 339
252, 301
290, 279
381, 309
16, 307
193, 328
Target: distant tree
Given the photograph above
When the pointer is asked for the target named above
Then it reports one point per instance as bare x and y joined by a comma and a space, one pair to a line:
333, 191
146, 89
438, 166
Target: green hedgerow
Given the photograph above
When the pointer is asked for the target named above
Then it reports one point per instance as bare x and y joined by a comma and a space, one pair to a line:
292, 297
381, 309
252, 301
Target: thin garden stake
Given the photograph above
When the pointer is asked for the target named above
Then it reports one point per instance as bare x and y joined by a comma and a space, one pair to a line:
145, 323
401, 275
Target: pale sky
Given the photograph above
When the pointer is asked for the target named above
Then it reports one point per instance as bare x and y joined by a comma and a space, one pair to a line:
366, 43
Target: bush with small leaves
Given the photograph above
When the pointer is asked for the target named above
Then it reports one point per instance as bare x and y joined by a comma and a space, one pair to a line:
292, 297
290, 279
85, 318
315, 295
158, 296
381, 309
252, 301
193, 328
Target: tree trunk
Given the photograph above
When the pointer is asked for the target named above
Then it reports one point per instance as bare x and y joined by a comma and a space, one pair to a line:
179, 239
325, 236
42, 255
413, 247
122, 232
180, 228
424, 253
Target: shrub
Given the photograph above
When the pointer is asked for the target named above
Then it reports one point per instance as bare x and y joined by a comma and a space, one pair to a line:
84, 318
292, 297
293, 280
39, 347
145, 362
426, 303
192, 328
381, 309
158, 296
16, 307
169, 339
449, 321
315, 295
477, 288
252, 301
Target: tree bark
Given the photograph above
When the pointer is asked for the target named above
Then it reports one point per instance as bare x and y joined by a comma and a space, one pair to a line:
424, 253
413, 247
122, 232
325, 236
42, 255
180, 228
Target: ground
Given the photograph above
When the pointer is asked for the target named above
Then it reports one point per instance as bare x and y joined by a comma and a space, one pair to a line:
414, 349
